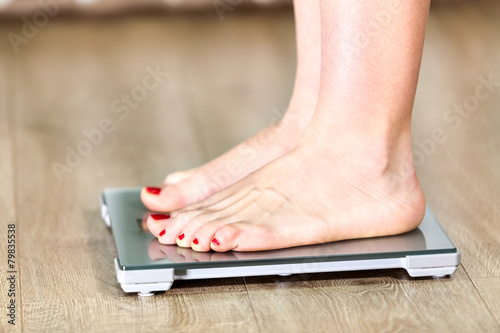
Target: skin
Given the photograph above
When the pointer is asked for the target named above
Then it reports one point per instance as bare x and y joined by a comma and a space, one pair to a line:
351, 175
186, 187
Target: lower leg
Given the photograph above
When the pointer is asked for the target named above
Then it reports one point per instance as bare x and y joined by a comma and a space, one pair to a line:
371, 55
185, 187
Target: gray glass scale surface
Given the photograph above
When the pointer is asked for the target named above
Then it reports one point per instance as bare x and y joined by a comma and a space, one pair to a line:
144, 265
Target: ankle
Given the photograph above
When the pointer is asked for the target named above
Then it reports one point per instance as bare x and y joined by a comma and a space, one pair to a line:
373, 151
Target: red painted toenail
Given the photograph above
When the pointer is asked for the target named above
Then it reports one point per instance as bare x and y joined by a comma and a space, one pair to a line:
215, 241
181, 236
162, 233
153, 190
158, 217
195, 241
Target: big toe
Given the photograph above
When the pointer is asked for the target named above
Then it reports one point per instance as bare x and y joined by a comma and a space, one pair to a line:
163, 199
241, 236
177, 177
170, 197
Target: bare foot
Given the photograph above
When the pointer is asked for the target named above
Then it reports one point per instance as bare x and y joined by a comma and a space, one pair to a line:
317, 193
186, 187
182, 188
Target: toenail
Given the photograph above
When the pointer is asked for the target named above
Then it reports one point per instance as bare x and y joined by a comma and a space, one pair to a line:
153, 190
215, 241
181, 236
195, 241
162, 233
159, 217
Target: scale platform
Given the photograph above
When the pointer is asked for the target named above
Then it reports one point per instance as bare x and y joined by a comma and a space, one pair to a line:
144, 265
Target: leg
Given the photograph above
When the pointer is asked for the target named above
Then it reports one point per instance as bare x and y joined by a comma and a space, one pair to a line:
352, 174
186, 187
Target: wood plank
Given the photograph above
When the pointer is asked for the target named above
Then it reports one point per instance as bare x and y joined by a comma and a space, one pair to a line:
381, 301
489, 288
461, 176
10, 289
213, 312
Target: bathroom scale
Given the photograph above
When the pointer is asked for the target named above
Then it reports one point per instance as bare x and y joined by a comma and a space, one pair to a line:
144, 265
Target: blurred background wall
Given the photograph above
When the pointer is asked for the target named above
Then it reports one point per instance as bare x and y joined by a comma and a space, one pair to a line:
15, 8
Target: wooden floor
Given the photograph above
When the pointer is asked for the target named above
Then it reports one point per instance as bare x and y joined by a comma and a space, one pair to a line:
225, 81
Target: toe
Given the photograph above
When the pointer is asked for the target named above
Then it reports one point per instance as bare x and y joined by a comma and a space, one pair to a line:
204, 234
190, 230
226, 238
170, 197
178, 176
163, 199
157, 222
172, 232
243, 236
200, 245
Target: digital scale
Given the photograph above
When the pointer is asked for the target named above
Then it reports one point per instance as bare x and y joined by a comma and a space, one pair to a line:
144, 265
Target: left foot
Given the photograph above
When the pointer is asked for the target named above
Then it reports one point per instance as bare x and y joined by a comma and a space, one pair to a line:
315, 194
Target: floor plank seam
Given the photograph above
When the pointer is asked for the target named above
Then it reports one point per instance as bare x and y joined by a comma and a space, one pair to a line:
481, 297
251, 305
